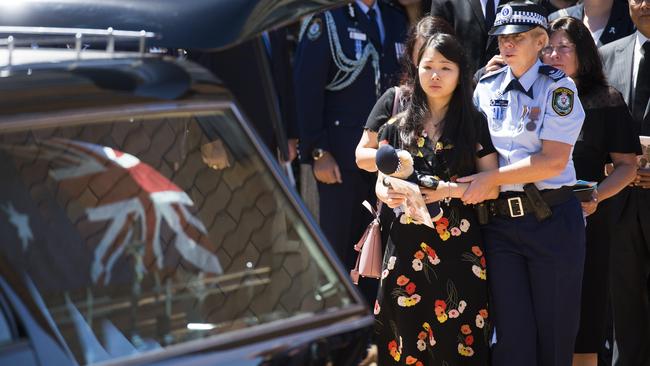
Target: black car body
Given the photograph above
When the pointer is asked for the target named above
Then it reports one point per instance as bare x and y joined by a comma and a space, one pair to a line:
141, 219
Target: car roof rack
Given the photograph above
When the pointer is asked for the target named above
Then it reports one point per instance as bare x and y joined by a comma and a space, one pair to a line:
22, 36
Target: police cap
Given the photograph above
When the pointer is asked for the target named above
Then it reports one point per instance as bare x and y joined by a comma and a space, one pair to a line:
518, 17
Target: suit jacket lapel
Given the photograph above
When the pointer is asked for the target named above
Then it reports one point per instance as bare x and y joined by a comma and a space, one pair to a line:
622, 72
478, 13
615, 23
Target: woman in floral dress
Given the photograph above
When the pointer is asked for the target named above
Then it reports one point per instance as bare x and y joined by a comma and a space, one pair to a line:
432, 303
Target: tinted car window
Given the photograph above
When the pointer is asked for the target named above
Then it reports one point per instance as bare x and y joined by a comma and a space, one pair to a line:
147, 231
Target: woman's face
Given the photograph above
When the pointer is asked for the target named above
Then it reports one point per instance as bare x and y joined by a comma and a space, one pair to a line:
520, 50
438, 76
561, 53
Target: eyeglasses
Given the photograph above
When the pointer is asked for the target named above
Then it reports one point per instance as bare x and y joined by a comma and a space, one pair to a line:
561, 49
638, 2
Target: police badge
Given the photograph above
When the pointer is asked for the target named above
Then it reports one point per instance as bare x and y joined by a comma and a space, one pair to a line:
315, 29
562, 101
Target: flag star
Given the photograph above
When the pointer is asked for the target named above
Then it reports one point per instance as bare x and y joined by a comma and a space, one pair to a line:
21, 223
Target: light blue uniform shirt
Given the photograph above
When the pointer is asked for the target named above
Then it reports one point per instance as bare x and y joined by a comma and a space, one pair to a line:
545, 107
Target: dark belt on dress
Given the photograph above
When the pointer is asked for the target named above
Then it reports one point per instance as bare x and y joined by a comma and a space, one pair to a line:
517, 204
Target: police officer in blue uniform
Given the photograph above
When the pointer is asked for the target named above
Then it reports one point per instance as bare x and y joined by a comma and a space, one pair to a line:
535, 238
345, 59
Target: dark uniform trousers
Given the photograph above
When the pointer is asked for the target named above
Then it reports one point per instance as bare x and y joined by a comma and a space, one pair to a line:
630, 270
535, 275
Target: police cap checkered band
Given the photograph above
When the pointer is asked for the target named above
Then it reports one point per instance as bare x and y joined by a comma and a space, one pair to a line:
517, 17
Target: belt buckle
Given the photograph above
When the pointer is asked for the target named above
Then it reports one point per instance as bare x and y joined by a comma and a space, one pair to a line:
516, 207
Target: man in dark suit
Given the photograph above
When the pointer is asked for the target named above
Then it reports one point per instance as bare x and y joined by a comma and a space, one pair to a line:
345, 59
471, 20
627, 65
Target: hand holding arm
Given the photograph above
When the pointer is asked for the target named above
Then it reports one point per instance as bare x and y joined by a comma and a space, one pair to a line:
547, 163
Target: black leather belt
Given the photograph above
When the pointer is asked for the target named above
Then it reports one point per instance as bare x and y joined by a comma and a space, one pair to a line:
517, 204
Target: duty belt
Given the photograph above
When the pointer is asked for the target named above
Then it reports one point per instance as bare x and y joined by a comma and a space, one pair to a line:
517, 204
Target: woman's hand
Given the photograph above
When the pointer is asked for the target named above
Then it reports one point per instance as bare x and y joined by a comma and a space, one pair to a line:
590, 206
642, 178
388, 195
392, 198
431, 195
495, 64
480, 189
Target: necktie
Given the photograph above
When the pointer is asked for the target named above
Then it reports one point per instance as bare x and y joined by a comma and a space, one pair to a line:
516, 85
642, 88
490, 14
374, 26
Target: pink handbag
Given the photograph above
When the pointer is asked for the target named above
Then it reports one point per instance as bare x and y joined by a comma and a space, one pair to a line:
369, 248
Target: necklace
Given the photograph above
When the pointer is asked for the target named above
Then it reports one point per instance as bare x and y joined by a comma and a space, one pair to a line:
433, 129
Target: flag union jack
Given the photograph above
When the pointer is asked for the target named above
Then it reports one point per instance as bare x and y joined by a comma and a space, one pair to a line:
135, 201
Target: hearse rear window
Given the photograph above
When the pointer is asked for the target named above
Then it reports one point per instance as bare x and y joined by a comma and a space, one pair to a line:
144, 232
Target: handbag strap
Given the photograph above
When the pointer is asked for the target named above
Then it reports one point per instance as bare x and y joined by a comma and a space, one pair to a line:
374, 212
397, 101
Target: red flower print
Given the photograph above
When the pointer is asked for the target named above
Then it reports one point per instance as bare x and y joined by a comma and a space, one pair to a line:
469, 340
483, 313
443, 222
482, 260
439, 311
402, 280
465, 329
419, 363
477, 251
392, 345
441, 304
410, 288
419, 255
422, 335
410, 360
441, 229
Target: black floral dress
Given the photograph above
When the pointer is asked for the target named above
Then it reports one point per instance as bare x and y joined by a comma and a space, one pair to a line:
431, 307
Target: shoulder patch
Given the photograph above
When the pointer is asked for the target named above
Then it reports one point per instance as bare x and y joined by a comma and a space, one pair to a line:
562, 102
314, 29
493, 73
552, 72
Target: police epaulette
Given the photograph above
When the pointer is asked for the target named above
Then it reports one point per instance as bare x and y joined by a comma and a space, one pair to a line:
492, 74
552, 72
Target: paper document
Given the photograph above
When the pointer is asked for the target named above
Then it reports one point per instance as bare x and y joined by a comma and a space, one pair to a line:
414, 206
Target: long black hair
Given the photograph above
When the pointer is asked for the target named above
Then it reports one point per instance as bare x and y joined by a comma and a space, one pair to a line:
459, 126
590, 68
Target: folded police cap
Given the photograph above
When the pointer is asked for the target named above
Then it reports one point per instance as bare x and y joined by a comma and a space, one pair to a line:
518, 16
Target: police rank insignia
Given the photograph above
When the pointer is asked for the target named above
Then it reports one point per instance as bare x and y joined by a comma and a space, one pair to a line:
562, 101
315, 29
